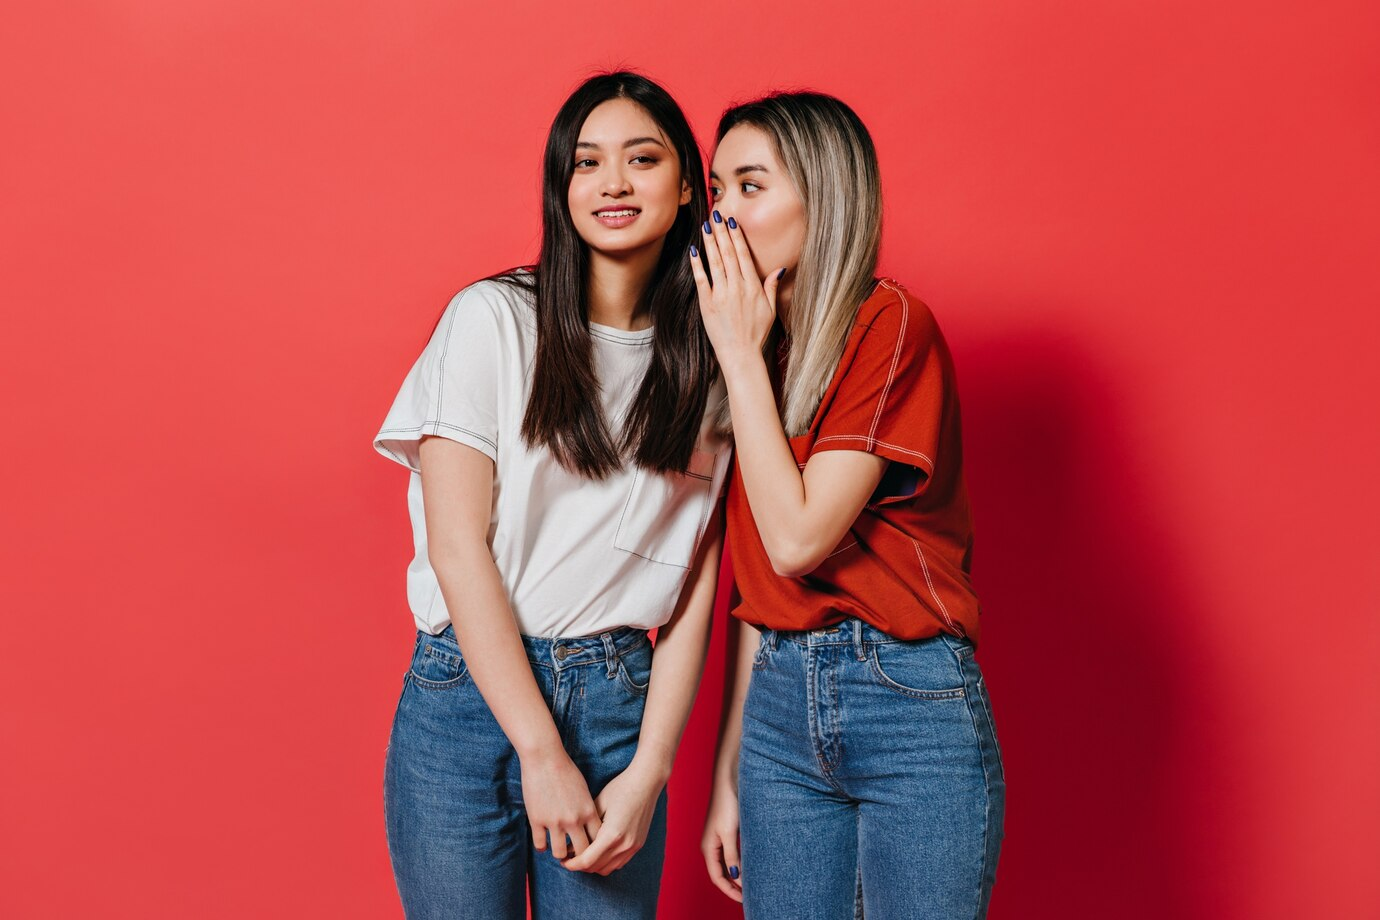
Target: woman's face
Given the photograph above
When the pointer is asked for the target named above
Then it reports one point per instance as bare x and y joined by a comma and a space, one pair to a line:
627, 186
749, 184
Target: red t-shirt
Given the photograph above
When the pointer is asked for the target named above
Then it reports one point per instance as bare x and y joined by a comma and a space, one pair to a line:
903, 565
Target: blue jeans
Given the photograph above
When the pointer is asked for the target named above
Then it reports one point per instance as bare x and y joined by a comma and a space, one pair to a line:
457, 831
869, 778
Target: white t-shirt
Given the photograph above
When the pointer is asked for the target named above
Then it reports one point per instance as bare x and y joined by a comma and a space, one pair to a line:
577, 556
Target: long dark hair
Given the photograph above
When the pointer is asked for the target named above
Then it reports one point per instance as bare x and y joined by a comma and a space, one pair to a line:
564, 412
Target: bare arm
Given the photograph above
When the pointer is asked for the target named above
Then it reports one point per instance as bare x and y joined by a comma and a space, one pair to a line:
720, 840
457, 490
800, 516
627, 803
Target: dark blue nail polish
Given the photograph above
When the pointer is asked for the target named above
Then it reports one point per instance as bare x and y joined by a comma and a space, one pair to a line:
733, 872
694, 253
732, 224
781, 274
718, 219
706, 227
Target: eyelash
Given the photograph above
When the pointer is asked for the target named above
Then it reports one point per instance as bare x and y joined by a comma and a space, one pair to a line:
650, 161
715, 191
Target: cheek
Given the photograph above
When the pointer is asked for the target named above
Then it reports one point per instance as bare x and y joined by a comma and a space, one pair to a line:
768, 235
664, 190
576, 192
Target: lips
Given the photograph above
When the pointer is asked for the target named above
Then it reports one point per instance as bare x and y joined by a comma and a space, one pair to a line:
617, 216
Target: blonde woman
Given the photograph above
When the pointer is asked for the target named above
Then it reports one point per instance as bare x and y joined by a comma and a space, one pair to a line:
858, 765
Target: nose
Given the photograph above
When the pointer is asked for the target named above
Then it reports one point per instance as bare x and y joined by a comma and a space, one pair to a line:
615, 183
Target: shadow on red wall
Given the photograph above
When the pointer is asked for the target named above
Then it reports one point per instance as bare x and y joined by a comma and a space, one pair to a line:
1086, 654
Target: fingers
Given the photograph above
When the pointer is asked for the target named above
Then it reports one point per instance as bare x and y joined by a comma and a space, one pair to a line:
609, 852
721, 866
558, 847
742, 252
728, 253
701, 279
714, 255
732, 863
591, 857
771, 284
579, 840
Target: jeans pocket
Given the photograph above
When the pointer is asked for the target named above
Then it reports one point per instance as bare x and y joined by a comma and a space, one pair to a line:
666, 513
923, 668
759, 660
437, 665
635, 669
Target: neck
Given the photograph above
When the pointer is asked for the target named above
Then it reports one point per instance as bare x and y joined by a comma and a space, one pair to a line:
616, 286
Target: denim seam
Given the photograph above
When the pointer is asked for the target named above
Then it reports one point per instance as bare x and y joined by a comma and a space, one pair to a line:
986, 798
426, 684
991, 723
957, 693
626, 680
811, 673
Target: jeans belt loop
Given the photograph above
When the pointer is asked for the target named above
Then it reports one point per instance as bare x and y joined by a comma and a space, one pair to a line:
610, 655
859, 643
771, 638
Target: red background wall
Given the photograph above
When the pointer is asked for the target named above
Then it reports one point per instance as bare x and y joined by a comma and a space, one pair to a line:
1148, 229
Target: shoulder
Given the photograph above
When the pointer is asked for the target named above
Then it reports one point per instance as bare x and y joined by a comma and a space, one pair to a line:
893, 320
894, 313
502, 303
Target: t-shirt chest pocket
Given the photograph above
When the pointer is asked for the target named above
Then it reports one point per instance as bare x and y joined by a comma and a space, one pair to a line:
666, 513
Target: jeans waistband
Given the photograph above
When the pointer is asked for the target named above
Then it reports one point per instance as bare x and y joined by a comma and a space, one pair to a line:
561, 652
850, 631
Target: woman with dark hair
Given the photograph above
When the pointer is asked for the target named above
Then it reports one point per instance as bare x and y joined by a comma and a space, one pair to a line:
564, 476
858, 765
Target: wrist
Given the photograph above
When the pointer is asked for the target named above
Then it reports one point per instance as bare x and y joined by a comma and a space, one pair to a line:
726, 775
545, 748
654, 770
739, 363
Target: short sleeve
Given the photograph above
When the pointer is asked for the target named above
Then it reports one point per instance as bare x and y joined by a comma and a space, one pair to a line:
890, 399
452, 389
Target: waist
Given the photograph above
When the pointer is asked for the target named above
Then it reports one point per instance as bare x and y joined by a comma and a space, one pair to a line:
851, 631
572, 651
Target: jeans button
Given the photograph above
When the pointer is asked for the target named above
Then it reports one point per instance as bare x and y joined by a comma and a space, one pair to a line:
562, 653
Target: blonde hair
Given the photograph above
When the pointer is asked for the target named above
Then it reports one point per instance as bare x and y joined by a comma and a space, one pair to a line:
829, 157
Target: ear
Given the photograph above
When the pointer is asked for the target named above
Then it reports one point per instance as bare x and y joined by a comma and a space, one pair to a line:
684, 192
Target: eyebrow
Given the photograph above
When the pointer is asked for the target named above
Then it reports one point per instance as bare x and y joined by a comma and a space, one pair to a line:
588, 145
742, 171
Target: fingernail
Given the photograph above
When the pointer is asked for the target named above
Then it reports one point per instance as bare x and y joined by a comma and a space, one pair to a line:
694, 253
718, 218
732, 224
781, 274
733, 872
706, 227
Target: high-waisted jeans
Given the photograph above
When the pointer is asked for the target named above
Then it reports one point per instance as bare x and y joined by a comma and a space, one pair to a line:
870, 780
457, 831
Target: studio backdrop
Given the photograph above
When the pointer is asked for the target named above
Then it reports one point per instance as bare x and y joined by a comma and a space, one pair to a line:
1147, 229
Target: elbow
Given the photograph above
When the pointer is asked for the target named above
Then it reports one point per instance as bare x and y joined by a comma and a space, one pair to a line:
794, 560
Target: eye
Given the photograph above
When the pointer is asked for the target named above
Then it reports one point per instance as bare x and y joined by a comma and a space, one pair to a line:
750, 187
643, 160
581, 164
715, 192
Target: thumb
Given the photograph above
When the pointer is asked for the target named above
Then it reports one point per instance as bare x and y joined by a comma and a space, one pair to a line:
770, 285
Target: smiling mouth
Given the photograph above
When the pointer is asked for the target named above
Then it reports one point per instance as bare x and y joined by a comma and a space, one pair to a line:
617, 217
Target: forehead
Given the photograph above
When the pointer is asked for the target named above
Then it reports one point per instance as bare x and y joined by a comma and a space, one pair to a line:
617, 120
744, 145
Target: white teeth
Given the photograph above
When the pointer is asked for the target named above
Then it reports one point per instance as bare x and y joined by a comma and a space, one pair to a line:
626, 213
